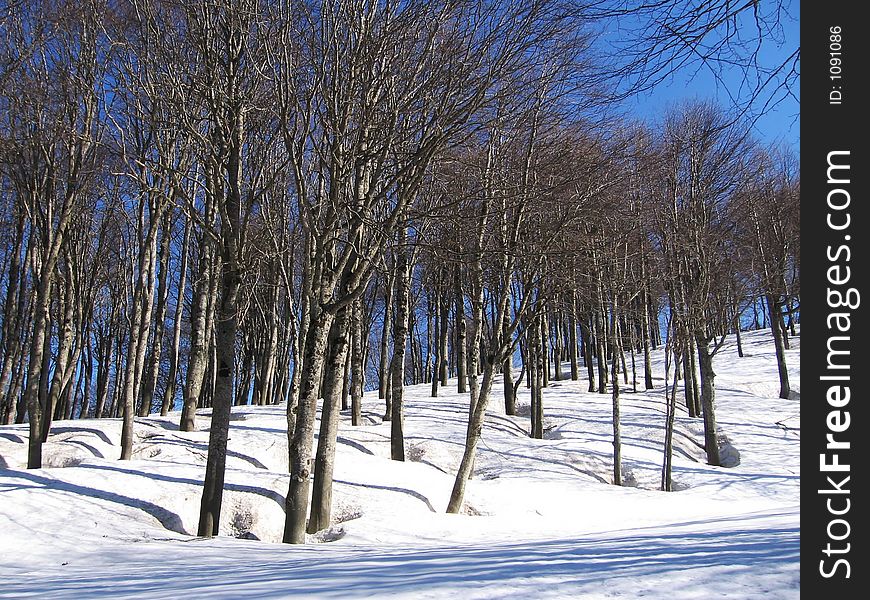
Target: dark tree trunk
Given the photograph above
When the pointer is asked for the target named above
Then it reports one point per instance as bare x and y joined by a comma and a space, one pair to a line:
616, 348
779, 346
708, 396
152, 371
586, 347
172, 377
461, 360
357, 364
572, 341
384, 370
400, 335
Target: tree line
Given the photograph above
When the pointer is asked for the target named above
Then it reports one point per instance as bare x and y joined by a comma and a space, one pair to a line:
227, 202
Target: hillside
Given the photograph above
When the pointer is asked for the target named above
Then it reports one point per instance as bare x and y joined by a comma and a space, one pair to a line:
541, 517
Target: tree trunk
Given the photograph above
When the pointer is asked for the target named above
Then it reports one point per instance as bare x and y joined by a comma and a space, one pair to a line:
443, 338
557, 346
152, 372
400, 335
510, 393
537, 349
586, 332
779, 346
168, 403
324, 461
64, 349
708, 396
383, 371
671, 410
572, 341
357, 364
616, 349
438, 356
35, 371
472, 437
461, 361
302, 441
222, 399
197, 359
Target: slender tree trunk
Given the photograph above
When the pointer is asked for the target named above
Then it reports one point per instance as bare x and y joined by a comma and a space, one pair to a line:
400, 335
198, 354
557, 346
572, 342
226, 315
601, 350
64, 348
645, 334
670, 412
586, 332
437, 355
443, 338
383, 371
510, 392
543, 334
461, 361
736, 325
472, 437
357, 364
168, 403
616, 349
152, 372
779, 346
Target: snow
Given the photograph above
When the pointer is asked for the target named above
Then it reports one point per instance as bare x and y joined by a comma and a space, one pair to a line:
541, 518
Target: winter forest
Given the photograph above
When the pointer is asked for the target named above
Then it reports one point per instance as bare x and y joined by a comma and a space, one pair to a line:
333, 218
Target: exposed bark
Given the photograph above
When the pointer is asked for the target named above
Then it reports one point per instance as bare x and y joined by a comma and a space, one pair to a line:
197, 354
400, 335
324, 461
296, 503
711, 438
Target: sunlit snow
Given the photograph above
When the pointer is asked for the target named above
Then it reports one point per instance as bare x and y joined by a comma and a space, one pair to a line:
541, 518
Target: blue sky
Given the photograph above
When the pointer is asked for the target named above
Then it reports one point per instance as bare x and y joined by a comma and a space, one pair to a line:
778, 123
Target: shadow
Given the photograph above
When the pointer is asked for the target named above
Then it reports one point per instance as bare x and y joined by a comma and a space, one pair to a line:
97, 432
249, 489
412, 493
429, 463
12, 437
191, 445
168, 519
167, 425
354, 445
84, 445
630, 565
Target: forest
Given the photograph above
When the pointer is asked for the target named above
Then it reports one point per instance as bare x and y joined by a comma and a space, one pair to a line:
220, 203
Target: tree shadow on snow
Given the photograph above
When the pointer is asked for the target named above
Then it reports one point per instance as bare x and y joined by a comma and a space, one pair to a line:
168, 519
567, 566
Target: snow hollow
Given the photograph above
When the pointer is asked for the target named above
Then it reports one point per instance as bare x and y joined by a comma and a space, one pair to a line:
541, 518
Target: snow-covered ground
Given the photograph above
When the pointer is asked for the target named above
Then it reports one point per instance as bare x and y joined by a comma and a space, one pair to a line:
541, 520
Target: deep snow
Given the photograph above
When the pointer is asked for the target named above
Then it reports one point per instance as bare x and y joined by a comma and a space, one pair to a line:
541, 518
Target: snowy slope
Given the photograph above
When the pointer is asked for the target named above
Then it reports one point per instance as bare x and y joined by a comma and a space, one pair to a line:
541, 518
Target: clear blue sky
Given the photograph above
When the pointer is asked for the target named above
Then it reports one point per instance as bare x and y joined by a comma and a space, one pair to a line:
778, 123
